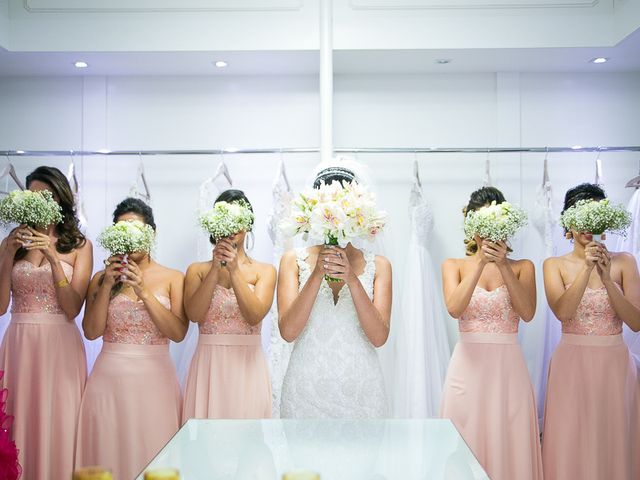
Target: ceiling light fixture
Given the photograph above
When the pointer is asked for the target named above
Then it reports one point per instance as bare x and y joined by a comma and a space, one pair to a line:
443, 61
80, 64
599, 60
221, 64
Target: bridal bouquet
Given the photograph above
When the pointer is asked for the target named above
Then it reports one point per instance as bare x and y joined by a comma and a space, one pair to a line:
335, 214
596, 217
226, 219
126, 237
35, 209
495, 222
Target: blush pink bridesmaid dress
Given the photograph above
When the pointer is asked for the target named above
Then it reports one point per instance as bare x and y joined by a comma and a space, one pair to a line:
228, 376
45, 369
592, 411
131, 405
488, 393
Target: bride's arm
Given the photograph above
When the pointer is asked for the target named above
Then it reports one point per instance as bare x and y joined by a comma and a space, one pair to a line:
295, 307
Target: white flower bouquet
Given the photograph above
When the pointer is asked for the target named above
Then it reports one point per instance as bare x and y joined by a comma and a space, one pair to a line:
35, 209
126, 237
225, 219
496, 222
596, 217
335, 214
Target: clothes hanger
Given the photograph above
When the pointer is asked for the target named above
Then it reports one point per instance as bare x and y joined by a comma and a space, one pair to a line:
222, 171
282, 172
10, 171
635, 181
487, 171
599, 177
545, 169
75, 189
416, 170
146, 194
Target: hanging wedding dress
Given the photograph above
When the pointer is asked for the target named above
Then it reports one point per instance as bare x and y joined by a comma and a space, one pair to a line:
279, 349
422, 347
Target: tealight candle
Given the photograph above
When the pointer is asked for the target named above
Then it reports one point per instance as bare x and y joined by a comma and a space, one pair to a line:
162, 474
92, 473
301, 475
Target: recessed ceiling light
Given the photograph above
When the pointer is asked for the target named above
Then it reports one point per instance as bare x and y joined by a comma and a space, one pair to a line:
104, 150
221, 64
576, 147
443, 61
81, 64
599, 60
20, 151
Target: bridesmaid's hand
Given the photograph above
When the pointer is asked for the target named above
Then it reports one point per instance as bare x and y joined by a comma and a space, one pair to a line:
482, 253
36, 240
15, 239
132, 275
227, 251
495, 251
604, 264
112, 271
592, 254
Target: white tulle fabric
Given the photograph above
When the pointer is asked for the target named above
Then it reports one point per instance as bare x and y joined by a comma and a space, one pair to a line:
334, 370
422, 347
279, 349
632, 244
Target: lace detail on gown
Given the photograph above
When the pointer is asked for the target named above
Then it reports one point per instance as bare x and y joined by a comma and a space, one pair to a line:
224, 316
490, 312
33, 290
594, 316
334, 371
128, 321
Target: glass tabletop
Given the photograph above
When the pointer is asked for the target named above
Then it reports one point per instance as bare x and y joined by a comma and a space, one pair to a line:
336, 449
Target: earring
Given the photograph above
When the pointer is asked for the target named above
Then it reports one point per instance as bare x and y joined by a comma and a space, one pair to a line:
248, 244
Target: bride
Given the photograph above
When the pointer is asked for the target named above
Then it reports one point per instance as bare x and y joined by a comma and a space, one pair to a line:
334, 370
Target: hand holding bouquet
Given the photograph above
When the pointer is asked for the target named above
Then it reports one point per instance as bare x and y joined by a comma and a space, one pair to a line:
226, 219
494, 222
34, 209
127, 237
596, 217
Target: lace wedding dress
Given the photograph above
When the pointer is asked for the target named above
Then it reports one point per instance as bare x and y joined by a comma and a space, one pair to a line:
334, 371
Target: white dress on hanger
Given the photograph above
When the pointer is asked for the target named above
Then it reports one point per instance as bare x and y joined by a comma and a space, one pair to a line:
334, 371
422, 346
279, 349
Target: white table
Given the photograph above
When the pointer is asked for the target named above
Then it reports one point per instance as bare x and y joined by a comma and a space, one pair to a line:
337, 449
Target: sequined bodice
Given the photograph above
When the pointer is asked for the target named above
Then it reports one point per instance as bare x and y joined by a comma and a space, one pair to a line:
32, 288
489, 311
595, 315
129, 321
224, 316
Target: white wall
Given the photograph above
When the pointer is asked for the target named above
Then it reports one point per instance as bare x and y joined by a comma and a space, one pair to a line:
409, 110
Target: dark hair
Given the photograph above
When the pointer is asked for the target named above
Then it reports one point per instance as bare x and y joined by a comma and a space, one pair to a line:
232, 196
584, 191
68, 231
333, 174
478, 199
136, 206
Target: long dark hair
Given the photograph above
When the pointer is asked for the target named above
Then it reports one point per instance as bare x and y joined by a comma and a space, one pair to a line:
68, 231
584, 191
136, 206
232, 196
478, 199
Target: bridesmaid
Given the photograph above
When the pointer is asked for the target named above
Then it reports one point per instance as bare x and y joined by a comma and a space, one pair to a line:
131, 406
45, 274
592, 414
487, 392
228, 377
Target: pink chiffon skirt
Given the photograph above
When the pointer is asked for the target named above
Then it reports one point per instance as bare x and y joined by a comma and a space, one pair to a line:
488, 396
130, 408
228, 378
45, 370
592, 411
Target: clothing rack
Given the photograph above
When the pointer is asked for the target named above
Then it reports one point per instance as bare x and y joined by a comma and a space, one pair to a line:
247, 151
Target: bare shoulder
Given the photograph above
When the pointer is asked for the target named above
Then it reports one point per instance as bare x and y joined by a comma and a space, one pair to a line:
382, 263
554, 262
523, 264
452, 264
624, 258
288, 258
171, 273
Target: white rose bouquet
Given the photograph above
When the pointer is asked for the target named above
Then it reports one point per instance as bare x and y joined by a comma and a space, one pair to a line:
225, 219
126, 237
35, 209
596, 217
496, 222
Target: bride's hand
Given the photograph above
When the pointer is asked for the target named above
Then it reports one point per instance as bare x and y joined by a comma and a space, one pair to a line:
336, 265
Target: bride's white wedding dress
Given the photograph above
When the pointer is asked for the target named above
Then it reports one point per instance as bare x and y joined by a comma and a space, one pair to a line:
334, 371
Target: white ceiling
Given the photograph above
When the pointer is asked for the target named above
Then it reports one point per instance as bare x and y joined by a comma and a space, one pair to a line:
623, 57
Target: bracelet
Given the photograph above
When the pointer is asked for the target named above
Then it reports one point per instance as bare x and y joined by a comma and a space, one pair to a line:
62, 283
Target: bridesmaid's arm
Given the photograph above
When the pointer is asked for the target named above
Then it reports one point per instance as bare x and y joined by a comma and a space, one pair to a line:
458, 291
254, 305
521, 287
564, 301
374, 316
625, 302
8, 249
95, 313
199, 289
295, 307
71, 295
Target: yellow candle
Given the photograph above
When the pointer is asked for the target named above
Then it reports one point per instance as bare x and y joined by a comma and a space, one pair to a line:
162, 474
92, 473
301, 475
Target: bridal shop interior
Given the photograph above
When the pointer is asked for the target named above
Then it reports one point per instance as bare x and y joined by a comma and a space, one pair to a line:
190, 88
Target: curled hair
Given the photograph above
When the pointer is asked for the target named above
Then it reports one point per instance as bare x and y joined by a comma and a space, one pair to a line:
584, 191
232, 196
137, 207
68, 231
333, 174
478, 199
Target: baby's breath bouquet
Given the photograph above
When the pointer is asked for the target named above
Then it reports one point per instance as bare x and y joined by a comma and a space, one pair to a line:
596, 217
225, 219
126, 237
496, 222
335, 214
35, 209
